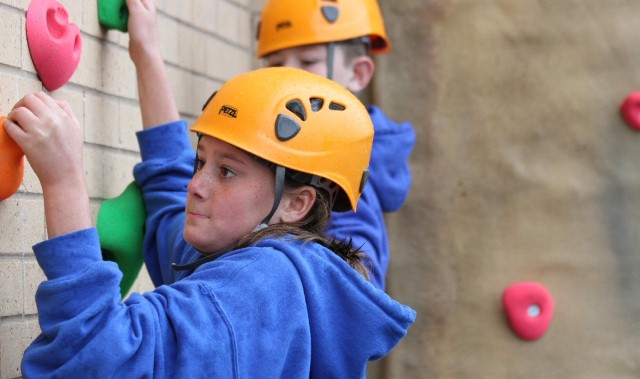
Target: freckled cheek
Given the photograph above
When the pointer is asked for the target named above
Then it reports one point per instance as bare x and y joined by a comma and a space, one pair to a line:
258, 198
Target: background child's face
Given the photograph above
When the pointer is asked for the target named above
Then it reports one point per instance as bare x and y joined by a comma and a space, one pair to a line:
313, 58
228, 196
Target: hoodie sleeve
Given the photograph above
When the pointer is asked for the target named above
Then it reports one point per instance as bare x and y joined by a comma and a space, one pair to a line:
71, 302
163, 175
390, 174
88, 332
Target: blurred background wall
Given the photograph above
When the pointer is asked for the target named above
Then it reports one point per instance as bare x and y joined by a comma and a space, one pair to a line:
524, 171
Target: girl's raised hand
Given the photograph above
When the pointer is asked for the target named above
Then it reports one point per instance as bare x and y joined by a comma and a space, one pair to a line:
50, 137
142, 29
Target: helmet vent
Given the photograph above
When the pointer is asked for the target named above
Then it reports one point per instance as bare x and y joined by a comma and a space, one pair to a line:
330, 13
316, 103
297, 108
336, 107
286, 127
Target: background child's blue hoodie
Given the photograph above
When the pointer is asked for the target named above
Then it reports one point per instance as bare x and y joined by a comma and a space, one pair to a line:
387, 190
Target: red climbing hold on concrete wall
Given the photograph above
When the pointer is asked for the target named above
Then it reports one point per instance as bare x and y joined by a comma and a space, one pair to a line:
529, 308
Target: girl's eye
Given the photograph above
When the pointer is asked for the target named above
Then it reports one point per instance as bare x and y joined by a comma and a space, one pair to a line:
227, 172
197, 165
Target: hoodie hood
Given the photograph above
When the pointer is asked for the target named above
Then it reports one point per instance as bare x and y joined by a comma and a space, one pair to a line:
351, 322
390, 174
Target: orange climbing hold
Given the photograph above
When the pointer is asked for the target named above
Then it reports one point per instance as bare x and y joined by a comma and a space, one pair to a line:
11, 164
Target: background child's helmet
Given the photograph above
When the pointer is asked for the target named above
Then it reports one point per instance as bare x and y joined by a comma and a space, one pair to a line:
297, 120
291, 23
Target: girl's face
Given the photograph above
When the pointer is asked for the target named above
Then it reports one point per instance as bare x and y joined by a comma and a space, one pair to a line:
228, 196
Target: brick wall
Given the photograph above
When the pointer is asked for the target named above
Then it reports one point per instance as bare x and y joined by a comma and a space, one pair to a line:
204, 42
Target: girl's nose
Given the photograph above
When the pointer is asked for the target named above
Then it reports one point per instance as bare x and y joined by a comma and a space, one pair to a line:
200, 185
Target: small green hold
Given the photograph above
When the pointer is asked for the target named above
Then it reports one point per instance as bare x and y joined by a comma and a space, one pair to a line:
113, 14
121, 227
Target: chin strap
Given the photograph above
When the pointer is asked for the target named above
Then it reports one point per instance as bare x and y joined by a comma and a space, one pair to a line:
331, 47
279, 189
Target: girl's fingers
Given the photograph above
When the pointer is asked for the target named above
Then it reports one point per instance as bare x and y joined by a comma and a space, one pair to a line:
47, 100
40, 105
67, 108
22, 117
36, 115
137, 4
15, 131
30, 101
148, 4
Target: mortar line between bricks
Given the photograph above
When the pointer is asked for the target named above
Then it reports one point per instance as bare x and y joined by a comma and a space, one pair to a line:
17, 319
112, 149
216, 35
19, 72
12, 256
8, 256
12, 9
129, 100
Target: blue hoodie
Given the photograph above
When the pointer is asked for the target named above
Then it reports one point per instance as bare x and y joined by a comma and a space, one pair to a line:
387, 190
280, 309
388, 187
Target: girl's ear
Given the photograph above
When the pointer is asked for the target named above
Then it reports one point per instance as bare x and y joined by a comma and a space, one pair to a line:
363, 68
295, 204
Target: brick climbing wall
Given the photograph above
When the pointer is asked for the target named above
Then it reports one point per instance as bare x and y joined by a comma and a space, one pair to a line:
204, 42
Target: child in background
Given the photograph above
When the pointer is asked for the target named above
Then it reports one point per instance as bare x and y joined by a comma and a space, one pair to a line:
332, 40
336, 40
271, 297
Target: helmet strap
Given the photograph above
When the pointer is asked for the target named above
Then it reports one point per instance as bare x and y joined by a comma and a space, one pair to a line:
279, 189
200, 261
331, 47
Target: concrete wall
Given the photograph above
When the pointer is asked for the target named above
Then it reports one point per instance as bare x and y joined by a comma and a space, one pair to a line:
523, 170
204, 43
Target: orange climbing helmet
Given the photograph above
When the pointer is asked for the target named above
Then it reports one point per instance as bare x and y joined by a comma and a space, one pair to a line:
291, 23
295, 120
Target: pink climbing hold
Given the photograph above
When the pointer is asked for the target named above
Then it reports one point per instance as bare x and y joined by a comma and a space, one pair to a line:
529, 308
55, 44
630, 110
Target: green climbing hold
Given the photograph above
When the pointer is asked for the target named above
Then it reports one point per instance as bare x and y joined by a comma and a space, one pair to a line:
113, 14
121, 223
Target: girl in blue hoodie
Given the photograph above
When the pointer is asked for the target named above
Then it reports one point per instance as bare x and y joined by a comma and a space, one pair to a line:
271, 295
